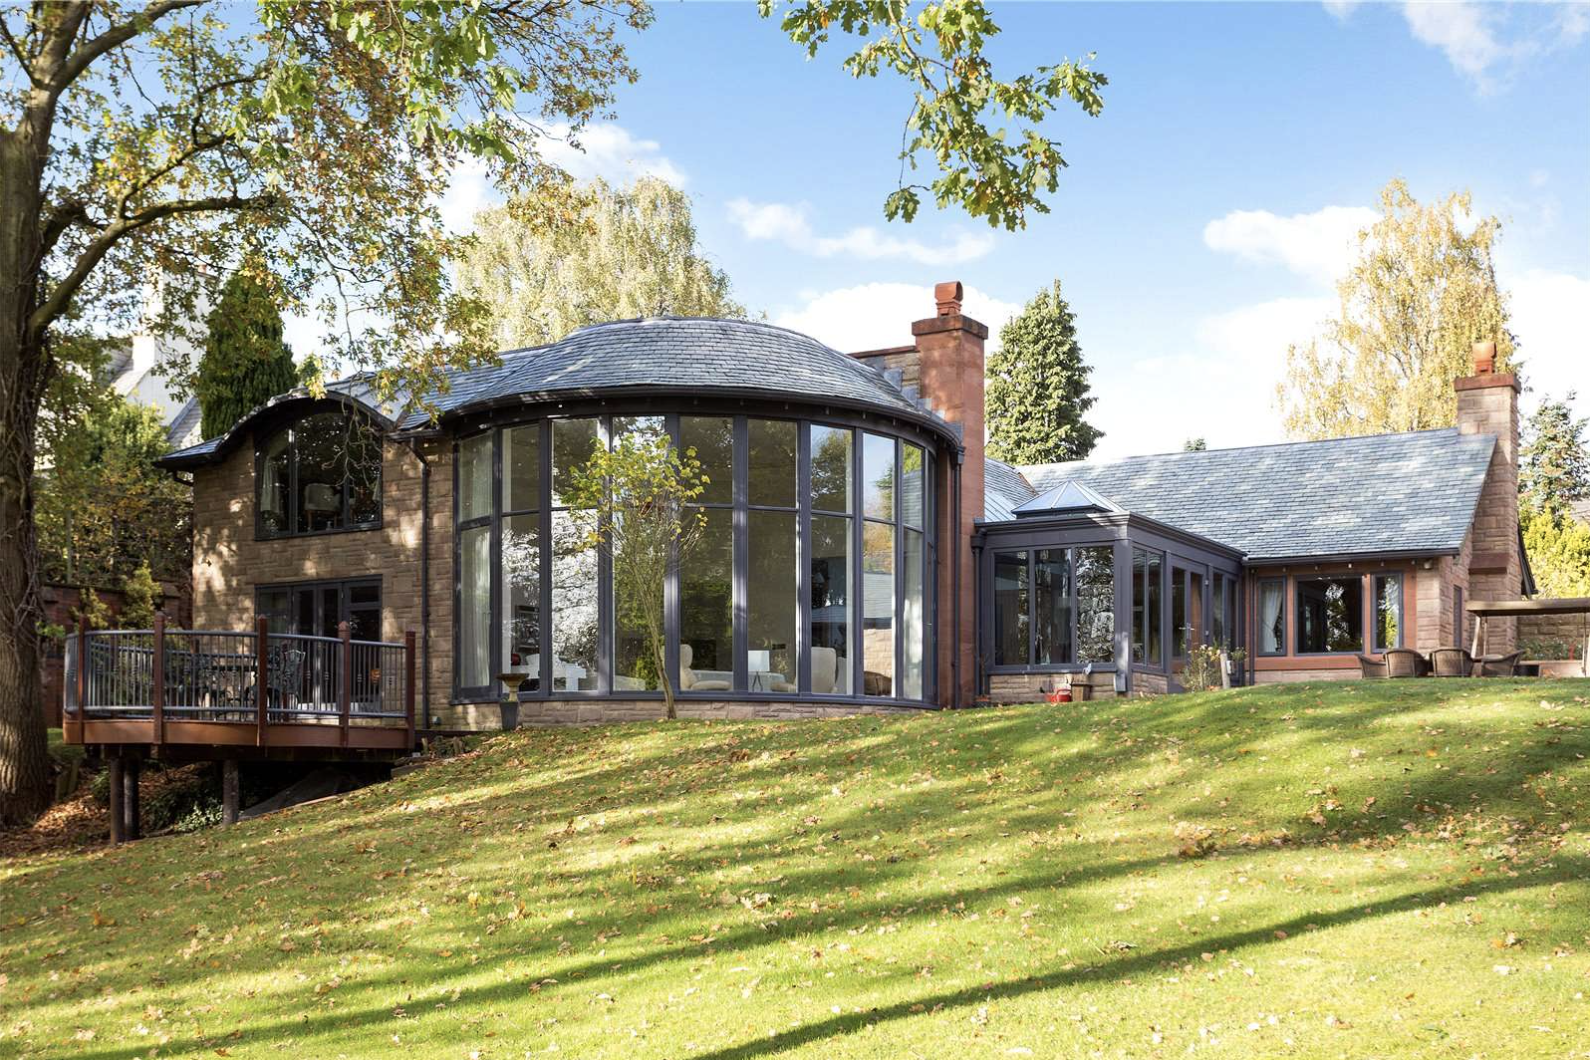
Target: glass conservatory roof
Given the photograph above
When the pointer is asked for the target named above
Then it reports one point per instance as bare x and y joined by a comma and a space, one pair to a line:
1069, 496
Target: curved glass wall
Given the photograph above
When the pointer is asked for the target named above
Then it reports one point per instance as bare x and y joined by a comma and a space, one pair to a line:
813, 578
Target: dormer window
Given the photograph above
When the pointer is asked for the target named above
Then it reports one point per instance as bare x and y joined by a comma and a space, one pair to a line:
318, 475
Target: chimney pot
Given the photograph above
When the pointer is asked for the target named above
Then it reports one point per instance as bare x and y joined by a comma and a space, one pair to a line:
948, 297
1484, 358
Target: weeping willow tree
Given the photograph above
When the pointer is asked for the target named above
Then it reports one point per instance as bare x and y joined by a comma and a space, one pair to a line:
1422, 291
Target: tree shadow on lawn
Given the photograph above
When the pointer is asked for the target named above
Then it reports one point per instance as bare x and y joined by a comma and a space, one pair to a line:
1563, 870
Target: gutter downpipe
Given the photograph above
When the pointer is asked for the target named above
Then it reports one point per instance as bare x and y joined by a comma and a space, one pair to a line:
425, 582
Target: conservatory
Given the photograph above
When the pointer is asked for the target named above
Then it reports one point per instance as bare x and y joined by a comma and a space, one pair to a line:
1075, 588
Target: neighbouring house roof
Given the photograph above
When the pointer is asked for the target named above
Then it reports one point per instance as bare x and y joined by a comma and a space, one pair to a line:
1391, 493
1003, 490
689, 355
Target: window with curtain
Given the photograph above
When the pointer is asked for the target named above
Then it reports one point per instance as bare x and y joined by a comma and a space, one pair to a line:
1272, 616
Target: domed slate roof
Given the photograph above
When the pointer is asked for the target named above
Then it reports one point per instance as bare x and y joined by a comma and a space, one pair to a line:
700, 355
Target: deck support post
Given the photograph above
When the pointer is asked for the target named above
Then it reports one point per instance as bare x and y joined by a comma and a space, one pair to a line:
118, 791
1479, 634
229, 791
130, 773
345, 693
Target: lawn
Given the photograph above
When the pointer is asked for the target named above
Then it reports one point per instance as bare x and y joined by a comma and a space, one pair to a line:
1365, 869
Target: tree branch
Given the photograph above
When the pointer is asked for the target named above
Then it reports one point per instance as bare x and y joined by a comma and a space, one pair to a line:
61, 295
114, 37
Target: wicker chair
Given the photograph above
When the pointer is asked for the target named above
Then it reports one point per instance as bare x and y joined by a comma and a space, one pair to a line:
1452, 662
1500, 665
1371, 669
1405, 662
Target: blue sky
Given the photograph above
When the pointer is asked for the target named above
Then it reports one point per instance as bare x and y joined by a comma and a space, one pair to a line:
1205, 210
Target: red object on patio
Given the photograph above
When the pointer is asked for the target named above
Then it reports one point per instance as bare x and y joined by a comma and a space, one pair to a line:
1059, 695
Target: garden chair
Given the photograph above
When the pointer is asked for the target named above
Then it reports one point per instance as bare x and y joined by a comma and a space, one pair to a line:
1405, 662
1500, 665
1371, 669
284, 676
1452, 662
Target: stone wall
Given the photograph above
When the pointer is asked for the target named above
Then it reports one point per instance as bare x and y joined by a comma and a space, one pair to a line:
1487, 403
1287, 677
230, 562
1569, 629
1031, 688
565, 713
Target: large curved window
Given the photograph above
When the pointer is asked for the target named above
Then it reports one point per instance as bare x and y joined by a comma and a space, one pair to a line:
812, 578
319, 474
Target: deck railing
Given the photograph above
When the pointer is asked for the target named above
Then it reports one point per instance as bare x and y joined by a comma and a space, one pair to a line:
164, 676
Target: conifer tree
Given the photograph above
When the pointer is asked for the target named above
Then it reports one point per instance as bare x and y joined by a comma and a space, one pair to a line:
245, 361
1038, 387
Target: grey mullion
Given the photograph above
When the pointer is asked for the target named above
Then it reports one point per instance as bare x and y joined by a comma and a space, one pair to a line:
803, 562
544, 556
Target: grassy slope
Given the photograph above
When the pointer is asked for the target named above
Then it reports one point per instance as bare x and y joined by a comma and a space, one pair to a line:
971, 884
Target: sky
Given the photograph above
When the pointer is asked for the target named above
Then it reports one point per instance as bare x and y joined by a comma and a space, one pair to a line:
1205, 213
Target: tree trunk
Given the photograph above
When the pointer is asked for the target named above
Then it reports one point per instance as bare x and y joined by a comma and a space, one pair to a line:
665, 679
24, 759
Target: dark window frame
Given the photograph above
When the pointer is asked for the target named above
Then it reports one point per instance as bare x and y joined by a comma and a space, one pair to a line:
344, 587
262, 442
1365, 616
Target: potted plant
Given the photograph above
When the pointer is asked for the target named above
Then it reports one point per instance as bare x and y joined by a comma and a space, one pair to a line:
511, 683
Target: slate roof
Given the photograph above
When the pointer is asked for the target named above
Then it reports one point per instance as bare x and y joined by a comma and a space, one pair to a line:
1389, 493
359, 389
1003, 490
702, 355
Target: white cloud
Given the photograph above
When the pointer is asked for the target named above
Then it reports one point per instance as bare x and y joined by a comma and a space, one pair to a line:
1341, 9
1476, 40
1460, 29
1319, 245
1550, 316
610, 151
874, 315
791, 225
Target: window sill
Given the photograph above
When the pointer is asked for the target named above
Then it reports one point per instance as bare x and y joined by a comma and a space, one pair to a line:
361, 528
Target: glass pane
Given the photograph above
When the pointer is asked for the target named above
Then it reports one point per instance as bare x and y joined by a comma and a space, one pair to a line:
1095, 575
1010, 608
474, 477
276, 607
877, 466
774, 446
830, 588
1272, 617
1146, 596
364, 623
1388, 611
646, 427
363, 469
273, 484
574, 442
574, 606
1330, 615
1195, 607
521, 468
706, 608
913, 485
831, 458
1052, 605
771, 601
521, 593
364, 595
474, 608
637, 628
712, 437
913, 618
1217, 610
877, 554
322, 447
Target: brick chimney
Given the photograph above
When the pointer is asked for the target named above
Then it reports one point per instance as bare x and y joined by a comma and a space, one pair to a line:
1487, 403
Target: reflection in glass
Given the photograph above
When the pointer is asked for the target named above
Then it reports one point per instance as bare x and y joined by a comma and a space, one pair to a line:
1095, 579
712, 437
1178, 612
321, 443
1147, 578
474, 477
574, 442
877, 473
771, 610
1010, 608
832, 550
877, 556
274, 481
1052, 606
913, 619
831, 478
574, 607
1330, 614
706, 608
521, 468
1217, 610
474, 608
635, 665
1388, 611
774, 445
913, 484
520, 621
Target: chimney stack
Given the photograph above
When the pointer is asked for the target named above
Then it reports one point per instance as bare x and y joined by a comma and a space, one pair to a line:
948, 298
1487, 403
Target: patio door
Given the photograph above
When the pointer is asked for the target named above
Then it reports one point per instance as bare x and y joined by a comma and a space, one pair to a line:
316, 609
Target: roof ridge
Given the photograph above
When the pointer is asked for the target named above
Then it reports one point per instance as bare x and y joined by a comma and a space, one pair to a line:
1194, 453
